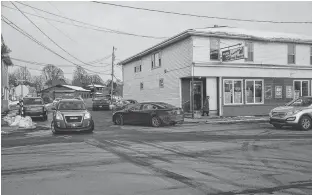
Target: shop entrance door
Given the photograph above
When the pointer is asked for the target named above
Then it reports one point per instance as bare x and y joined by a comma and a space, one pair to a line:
198, 95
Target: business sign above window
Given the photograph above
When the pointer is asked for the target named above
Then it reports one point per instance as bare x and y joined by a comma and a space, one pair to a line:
233, 54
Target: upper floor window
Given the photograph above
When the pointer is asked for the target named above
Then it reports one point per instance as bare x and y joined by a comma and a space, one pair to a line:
138, 68
156, 60
250, 52
161, 83
141, 85
214, 48
291, 54
311, 55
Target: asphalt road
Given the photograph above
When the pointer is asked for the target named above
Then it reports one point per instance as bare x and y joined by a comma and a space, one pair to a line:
184, 159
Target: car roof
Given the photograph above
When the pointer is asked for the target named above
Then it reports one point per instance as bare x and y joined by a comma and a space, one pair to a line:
32, 98
71, 100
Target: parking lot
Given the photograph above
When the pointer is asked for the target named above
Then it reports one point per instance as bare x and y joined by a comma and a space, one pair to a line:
250, 158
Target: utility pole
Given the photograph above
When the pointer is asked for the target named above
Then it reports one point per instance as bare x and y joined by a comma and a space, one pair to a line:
112, 82
192, 89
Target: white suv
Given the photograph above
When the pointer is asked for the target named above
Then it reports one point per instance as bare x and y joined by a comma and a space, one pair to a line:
297, 113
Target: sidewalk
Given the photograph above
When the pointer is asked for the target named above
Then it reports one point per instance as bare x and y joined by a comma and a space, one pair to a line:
227, 120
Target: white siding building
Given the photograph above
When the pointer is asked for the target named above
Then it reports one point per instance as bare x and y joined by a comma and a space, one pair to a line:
276, 68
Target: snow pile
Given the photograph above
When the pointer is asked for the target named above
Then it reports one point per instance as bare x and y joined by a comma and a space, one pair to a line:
246, 33
18, 121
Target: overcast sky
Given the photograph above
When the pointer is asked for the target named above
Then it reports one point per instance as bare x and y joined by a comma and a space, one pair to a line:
89, 45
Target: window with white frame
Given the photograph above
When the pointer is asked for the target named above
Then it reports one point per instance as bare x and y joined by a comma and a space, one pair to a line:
161, 83
233, 91
291, 53
214, 48
311, 55
138, 68
250, 48
301, 88
156, 60
141, 86
254, 91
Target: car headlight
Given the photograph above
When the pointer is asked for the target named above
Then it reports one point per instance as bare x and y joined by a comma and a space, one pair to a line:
87, 115
59, 116
293, 112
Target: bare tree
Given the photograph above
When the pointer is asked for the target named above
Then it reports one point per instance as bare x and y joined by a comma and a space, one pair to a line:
38, 82
23, 73
96, 79
81, 77
53, 75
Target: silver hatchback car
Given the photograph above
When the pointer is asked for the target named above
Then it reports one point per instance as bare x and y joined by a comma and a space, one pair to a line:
297, 113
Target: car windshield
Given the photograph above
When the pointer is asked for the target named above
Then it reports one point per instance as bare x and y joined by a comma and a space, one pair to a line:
300, 102
32, 101
74, 105
164, 105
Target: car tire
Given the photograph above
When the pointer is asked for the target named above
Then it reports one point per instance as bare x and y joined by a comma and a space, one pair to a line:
92, 127
277, 126
45, 117
119, 120
53, 129
305, 123
155, 121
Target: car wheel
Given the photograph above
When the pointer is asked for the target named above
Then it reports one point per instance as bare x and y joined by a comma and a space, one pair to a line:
45, 118
52, 128
305, 123
277, 126
156, 122
119, 120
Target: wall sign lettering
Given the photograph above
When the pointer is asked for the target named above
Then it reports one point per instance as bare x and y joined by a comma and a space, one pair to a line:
278, 92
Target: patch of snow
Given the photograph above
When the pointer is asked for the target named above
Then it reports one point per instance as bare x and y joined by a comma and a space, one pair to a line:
246, 33
75, 88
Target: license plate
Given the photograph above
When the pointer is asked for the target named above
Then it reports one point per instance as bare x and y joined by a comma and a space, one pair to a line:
100, 106
73, 118
73, 125
178, 112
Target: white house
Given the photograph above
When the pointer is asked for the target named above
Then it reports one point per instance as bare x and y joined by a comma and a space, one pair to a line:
245, 72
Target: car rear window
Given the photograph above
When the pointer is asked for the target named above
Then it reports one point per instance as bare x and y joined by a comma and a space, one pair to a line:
71, 105
32, 101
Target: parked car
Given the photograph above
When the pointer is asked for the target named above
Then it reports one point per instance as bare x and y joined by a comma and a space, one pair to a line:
35, 108
149, 113
297, 113
100, 102
123, 103
71, 115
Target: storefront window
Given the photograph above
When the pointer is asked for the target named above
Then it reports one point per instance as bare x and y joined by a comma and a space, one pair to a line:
233, 92
254, 91
301, 88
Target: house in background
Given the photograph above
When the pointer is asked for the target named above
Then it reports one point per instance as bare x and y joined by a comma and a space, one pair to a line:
98, 89
5, 63
245, 72
61, 90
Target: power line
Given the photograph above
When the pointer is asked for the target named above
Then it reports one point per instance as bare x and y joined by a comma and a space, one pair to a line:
100, 27
48, 36
10, 23
44, 64
57, 28
202, 16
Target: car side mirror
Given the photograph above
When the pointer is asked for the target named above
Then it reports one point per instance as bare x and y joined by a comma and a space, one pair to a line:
53, 108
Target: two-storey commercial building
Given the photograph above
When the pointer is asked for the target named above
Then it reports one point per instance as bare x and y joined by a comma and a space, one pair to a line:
244, 72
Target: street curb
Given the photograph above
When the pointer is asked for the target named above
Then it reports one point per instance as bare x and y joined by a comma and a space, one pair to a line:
228, 122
